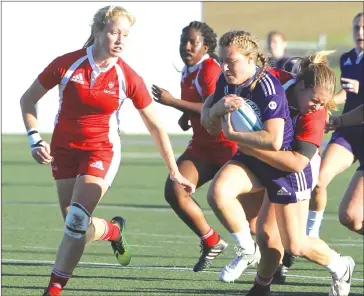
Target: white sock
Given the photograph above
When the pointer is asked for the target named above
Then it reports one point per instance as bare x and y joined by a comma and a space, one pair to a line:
313, 223
244, 239
337, 265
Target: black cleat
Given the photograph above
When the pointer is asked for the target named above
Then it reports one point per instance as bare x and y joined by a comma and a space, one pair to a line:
280, 275
120, 246
288, 260
258, 290
209, 254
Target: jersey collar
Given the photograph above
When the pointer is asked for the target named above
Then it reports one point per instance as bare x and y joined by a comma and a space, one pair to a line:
93, 64
249, 81
359, 55
194, 67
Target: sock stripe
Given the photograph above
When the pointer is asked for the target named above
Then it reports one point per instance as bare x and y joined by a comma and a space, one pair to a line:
106, 230
207, 234
61, 274
263, 282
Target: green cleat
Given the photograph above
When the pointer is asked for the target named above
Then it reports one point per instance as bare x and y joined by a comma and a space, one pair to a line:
120, 246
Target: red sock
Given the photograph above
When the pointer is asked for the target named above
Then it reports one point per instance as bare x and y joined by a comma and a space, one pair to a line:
57, 281
211, 238
112, 232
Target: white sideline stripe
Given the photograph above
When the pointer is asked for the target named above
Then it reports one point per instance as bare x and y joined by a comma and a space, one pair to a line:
342, 242
127, 208
117, 266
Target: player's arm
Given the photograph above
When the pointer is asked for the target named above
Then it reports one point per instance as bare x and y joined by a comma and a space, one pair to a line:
163, 143
270, 138
212, 126
340, 97
353, 117
163, 97
287, 161
40, 149
28, 101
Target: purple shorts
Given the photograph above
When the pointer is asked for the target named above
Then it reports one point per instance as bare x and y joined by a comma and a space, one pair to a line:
283, 187
353, 143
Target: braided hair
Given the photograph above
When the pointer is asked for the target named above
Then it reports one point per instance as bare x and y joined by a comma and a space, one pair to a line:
208, 34
247, 45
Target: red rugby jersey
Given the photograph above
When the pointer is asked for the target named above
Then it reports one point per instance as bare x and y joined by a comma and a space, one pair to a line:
90, 97
197, 83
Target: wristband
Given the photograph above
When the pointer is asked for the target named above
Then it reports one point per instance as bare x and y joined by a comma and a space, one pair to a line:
34, 137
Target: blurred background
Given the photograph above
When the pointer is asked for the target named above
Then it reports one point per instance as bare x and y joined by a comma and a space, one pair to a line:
53, 28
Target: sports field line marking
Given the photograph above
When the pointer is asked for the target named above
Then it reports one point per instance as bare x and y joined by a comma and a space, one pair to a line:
117, 266
128, 208
353, 243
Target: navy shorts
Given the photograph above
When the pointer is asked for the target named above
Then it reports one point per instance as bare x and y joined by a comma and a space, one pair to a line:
283, 187
352, 143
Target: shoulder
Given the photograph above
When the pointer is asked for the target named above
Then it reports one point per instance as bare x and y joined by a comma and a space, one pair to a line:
210, 63
210, 67
348, 54
313, 117
269, 85
71, 57
129, 73
281, 75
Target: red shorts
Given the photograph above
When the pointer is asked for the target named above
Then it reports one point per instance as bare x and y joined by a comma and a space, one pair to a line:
70, 163
217, 154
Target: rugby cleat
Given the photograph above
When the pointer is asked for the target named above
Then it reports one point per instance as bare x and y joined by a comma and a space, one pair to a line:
280, 275
341, 287
258, 290
120, 246
209, 254
239, 264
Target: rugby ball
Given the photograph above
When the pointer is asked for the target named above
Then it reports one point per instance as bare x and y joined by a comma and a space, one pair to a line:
245, 119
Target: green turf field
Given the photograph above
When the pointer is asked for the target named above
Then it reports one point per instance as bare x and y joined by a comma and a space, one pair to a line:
164, 249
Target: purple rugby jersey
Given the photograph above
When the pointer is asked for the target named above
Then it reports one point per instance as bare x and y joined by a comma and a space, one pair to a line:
268, 100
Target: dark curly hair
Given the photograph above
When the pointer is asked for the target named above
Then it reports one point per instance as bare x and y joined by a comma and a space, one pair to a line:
208, 34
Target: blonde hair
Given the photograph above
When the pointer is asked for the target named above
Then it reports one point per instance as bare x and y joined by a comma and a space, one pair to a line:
102, 17
247, 45
315, 72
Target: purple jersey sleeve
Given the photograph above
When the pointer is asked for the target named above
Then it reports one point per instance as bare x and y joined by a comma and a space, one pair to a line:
275, 106
220, 89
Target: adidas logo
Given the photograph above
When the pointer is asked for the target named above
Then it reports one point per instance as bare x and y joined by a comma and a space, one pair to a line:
98, 165
78, 78
348, 62
283, 191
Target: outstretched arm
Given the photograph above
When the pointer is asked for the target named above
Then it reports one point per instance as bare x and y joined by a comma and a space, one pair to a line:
163, 143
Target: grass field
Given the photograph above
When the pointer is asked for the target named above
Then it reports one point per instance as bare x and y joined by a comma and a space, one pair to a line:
164, 250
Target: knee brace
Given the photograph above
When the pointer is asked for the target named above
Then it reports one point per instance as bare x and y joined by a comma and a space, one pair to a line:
77, 221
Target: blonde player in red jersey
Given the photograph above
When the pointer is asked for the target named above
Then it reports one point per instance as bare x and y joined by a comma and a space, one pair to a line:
205, 154
85, 148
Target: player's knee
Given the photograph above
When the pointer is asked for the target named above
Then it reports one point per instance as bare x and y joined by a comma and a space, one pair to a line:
266, 239
174, 192
77, 221
216, 197
322, 182
295, 248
